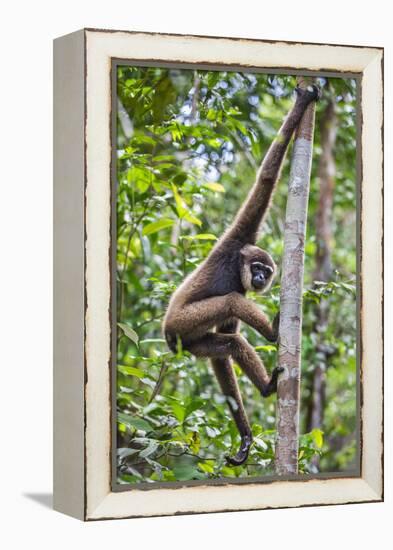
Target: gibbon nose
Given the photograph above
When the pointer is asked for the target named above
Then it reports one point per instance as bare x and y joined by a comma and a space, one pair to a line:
259, 281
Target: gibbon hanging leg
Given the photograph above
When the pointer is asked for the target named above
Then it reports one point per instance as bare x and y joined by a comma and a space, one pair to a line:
205, 310
227, 380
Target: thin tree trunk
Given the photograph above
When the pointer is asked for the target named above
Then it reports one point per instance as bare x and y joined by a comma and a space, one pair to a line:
323, 265
125, 121
289, 352
195, 97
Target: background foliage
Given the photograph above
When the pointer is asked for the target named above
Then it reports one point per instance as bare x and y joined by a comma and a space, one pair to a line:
188, 145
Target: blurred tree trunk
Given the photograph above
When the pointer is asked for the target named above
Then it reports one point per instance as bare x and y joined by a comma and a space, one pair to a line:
323, 264
289, 352
125, 121
175, 235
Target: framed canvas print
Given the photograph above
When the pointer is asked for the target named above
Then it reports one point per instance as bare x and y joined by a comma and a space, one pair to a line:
218, 274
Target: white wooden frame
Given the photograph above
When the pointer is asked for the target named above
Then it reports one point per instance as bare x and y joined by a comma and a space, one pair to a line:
82, 336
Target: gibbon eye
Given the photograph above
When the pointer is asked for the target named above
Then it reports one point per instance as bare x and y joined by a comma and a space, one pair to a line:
256, 267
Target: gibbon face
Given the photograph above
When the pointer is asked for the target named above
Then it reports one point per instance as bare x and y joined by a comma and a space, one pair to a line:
257, 268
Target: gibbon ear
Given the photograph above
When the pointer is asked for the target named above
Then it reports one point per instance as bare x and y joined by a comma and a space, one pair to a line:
244, 251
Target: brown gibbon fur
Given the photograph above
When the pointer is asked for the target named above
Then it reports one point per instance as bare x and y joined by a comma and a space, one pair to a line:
205, 310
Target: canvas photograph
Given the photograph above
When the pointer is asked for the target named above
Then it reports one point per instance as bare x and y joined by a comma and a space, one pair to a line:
199, 242
218, 274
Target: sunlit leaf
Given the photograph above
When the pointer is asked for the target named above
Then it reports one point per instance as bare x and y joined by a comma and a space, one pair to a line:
207, 467
192, 219
217, 187
200, 237
194, 441
211, 114
317, 436
131, 371
154, 227
269, 348
181, 206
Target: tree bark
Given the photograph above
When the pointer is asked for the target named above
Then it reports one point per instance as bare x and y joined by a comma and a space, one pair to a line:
326, 173
323, 264
290, 331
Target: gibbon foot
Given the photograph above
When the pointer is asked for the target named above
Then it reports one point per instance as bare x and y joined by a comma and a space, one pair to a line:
272, 386
242, 454
313, 91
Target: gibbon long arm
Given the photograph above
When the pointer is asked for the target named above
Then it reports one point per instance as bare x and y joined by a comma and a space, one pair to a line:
246, 224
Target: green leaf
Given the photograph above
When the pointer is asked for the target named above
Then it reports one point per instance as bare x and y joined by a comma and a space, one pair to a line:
228, 472
141, 177
186, 471
217, 187
129, 332
131, 371
268, 348
163, 158
179, 179
211, 115
317, 436
176, 132
194, 441
239, 126
206, 467
200, 237
154, 227
194, 405
178, 410
192, 219
260, 443
133, 422
181, 207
